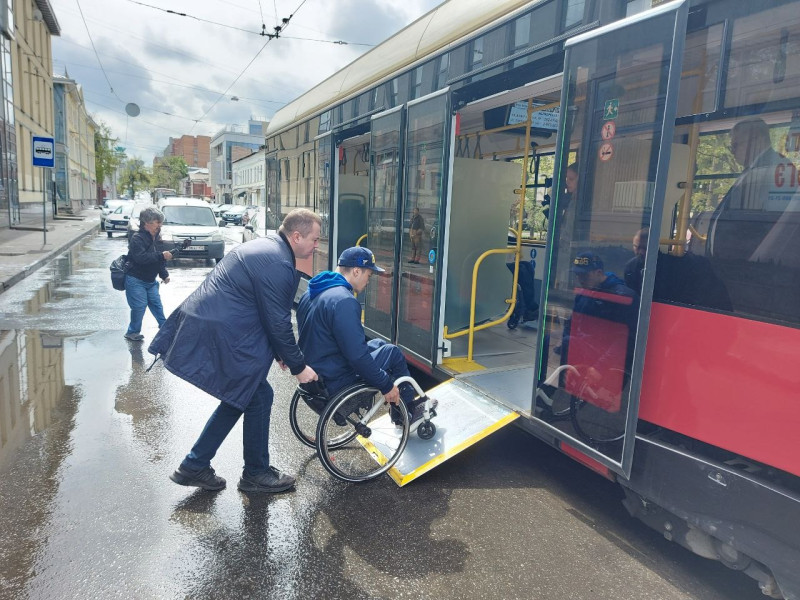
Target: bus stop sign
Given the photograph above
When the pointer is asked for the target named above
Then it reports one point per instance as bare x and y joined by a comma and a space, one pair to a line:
44, 154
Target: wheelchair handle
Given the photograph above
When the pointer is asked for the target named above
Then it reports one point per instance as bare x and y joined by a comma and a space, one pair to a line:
412, 381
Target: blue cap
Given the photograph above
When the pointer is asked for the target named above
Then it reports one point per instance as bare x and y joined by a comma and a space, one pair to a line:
586, 262
361, 257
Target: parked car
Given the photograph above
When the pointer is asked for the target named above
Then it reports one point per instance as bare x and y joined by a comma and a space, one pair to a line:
133, 222
223, 207
109, 206
262, 222
233, 216
117, 221
189, 218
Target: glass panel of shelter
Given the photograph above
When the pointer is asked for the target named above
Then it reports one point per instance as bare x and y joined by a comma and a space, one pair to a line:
613, 113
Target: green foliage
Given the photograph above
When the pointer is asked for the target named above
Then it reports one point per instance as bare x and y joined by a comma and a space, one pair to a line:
134, 176
106, 158
169, 171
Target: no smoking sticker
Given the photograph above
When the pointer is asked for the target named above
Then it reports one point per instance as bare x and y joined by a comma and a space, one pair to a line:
608, 131
606, 152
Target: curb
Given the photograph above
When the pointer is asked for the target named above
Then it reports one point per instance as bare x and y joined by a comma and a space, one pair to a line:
42, 261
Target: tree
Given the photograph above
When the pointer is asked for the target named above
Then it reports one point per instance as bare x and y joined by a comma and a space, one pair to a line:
169, 171
106, 158
134, 176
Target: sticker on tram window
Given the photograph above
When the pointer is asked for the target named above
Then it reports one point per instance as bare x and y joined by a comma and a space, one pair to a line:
432, 256
608, 131
611, 109
606, 152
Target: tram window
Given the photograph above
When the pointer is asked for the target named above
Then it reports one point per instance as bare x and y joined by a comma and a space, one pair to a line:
522, 32
573, 13
764, 63
699, 79
442, 68
741, 253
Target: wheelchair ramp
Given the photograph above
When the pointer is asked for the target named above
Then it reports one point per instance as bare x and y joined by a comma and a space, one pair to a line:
464, 416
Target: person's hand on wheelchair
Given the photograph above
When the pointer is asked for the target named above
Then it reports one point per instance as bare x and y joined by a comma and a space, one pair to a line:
393, 395
306, 375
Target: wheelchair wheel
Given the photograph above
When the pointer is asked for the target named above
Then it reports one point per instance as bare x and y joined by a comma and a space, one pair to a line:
304, 412
594, 425
356, 438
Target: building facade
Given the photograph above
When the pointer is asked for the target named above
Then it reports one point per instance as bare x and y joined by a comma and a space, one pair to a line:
74, 132
194, 149
249, 179
195, 184
31, 70
228, 145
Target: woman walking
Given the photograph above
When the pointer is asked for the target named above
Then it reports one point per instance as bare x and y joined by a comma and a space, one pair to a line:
145, 262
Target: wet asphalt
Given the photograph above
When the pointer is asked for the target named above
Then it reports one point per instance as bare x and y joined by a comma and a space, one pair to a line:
87, 511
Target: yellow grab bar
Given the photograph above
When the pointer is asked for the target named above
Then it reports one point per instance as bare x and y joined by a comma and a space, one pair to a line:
361, 239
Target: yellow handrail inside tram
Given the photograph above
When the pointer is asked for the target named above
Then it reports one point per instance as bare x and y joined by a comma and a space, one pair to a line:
361, 239
517, 250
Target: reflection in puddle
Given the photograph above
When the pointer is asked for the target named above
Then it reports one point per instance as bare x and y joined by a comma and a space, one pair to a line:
31, 386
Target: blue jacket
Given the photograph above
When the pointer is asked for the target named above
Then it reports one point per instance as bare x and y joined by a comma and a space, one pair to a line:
224, 336
332, 337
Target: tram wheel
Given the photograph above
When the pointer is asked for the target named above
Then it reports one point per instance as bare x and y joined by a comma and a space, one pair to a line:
356, 438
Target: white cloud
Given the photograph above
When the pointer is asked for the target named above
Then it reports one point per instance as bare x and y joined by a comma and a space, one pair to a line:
175, 67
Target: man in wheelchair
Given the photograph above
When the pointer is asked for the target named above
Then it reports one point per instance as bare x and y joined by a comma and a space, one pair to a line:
332, 337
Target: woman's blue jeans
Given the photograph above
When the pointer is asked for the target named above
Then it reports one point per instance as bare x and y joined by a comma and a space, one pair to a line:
255, 435
142, 295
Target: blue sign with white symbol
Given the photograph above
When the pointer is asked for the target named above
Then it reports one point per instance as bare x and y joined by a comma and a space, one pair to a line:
44, 152
533, 253
432, 256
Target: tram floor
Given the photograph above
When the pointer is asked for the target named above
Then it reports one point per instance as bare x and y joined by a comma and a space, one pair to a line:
503, 365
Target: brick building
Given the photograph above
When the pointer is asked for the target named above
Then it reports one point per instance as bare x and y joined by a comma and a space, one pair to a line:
195, 150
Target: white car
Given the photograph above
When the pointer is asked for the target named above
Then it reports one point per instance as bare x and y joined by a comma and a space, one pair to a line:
118, 219
110, 206
191, 219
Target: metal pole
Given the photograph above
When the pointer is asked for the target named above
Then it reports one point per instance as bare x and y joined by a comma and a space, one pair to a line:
44, 209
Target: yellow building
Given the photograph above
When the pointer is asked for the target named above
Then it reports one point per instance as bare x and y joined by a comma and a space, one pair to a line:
75, 177
32, 67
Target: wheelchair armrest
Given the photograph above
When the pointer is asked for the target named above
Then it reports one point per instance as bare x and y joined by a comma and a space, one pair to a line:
314, 388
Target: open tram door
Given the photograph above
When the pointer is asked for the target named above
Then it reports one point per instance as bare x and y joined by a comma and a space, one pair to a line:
618, 109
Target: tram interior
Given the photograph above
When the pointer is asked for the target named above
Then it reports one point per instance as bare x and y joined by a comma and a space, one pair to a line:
492, 157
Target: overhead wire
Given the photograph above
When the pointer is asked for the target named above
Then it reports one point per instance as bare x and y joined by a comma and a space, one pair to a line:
188, 16
111, 87
278, 28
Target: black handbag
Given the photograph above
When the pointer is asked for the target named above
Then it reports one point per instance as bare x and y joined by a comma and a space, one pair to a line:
119, 267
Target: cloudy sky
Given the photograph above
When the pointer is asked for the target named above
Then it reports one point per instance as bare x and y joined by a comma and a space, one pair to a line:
177, 68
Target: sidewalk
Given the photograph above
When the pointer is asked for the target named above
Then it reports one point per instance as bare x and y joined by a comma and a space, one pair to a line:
22, 250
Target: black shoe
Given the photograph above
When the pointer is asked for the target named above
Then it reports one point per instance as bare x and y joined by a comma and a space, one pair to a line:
416, 413
206, 479
272, 482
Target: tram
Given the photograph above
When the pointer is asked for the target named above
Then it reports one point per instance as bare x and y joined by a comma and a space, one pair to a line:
663, 140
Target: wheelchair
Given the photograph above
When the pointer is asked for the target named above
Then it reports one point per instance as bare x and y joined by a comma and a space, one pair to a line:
353, 432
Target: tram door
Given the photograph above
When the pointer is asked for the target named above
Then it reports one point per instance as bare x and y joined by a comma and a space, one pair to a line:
351, 190
383, 213
618, 110
419, 265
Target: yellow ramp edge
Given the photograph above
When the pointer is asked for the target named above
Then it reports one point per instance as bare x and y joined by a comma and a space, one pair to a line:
460, 364
401, 479
464, 417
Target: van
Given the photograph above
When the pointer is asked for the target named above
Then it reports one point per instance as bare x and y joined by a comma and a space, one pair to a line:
192, 219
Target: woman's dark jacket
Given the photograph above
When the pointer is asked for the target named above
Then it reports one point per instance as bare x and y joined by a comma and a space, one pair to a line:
144, 259
224, 336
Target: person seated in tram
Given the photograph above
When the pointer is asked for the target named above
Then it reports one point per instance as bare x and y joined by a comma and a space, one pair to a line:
332, 337
599, 336
634, 268
766, 185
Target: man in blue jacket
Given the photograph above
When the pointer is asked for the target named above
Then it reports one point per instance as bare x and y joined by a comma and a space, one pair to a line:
223, 339
332, 337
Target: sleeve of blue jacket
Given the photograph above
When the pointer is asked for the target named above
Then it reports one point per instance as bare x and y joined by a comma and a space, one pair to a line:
276, 286
349, 335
